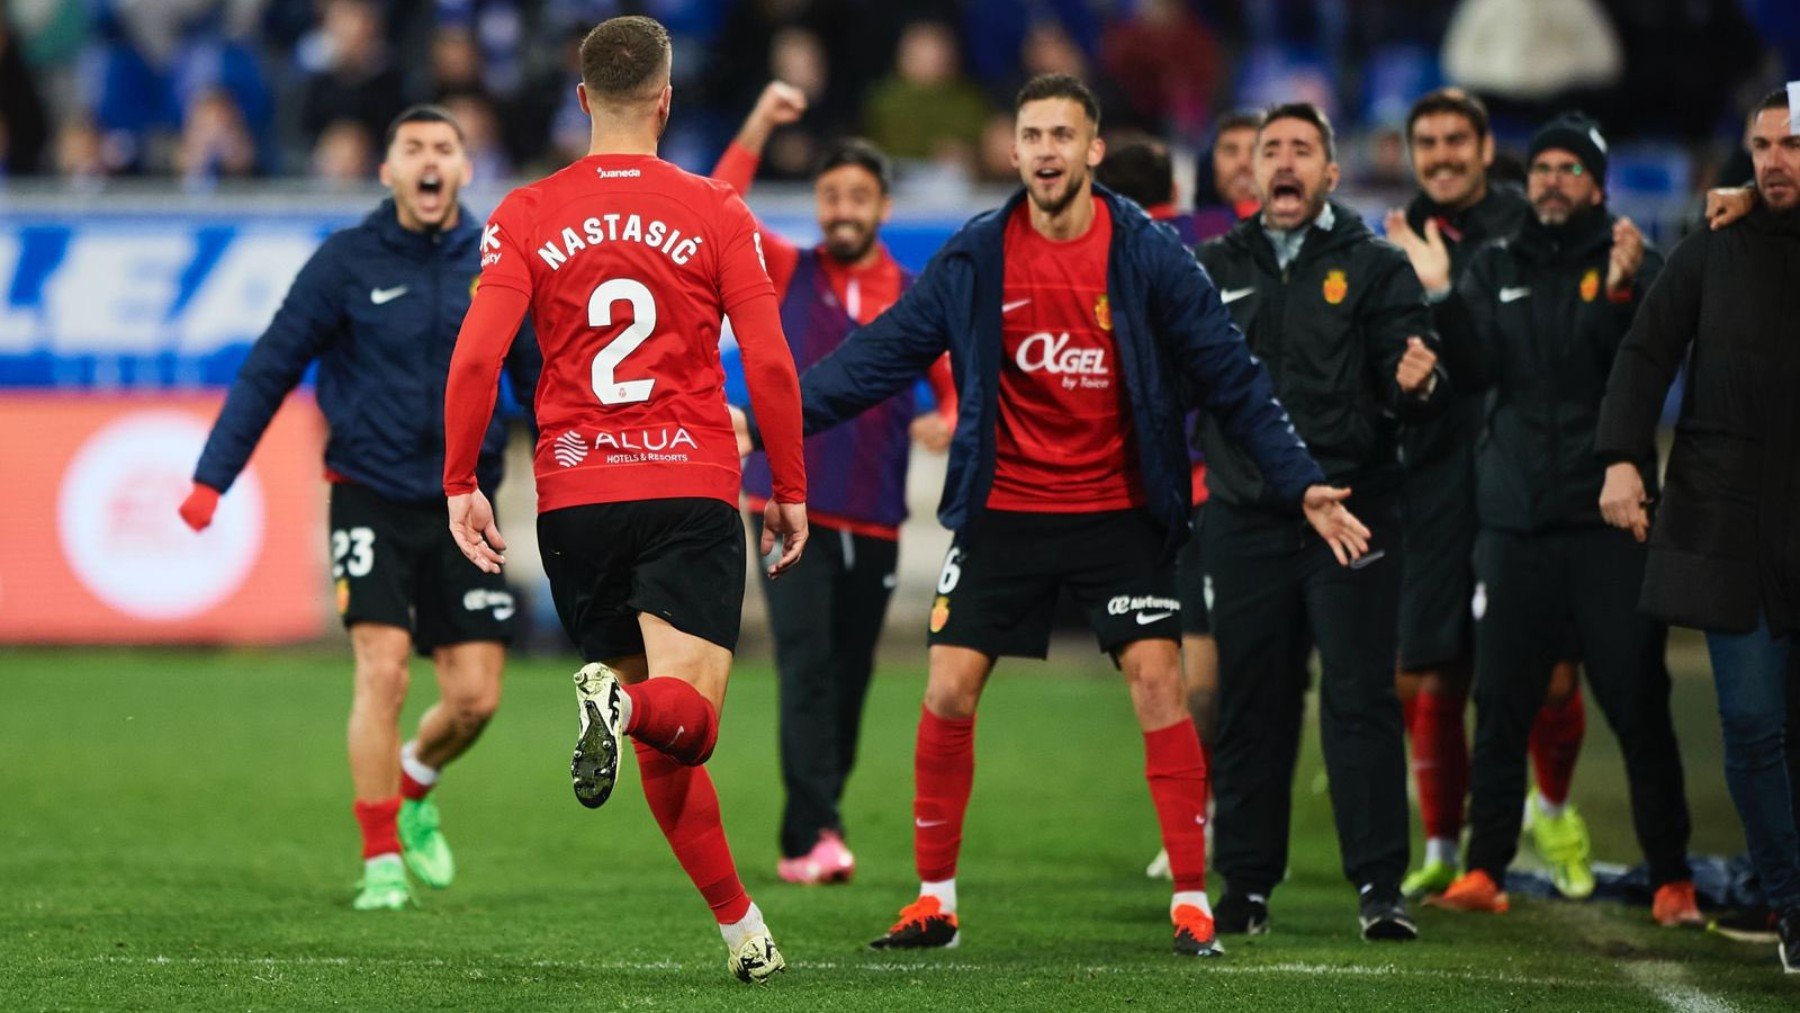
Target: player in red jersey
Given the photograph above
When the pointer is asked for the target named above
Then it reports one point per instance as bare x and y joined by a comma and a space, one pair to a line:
627, 265
1071, 320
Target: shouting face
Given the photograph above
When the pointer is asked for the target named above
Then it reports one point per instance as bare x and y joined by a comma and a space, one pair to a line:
1055, 148
425, 167
1293, 172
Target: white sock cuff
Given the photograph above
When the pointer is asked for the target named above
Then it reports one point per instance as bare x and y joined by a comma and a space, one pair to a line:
1195, 898
1547, 808
409, 762
736, 932
1441, 849
944, 890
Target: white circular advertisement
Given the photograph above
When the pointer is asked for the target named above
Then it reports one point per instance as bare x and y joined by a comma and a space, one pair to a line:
118, 521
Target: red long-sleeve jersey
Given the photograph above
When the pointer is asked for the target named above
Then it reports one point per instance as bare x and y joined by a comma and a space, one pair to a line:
627, 265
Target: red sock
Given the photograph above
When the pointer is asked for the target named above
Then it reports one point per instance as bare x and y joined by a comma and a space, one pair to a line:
1440, 762
380, 826
1176, 769
673, 717
1556, 737
412, 790
943, 773
686, 807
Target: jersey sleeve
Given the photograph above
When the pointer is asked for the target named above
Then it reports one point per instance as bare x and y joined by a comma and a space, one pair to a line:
505, 244
488, 331
749, 299
737, 169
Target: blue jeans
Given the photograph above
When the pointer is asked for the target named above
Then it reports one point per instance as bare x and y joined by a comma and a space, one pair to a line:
1751, 671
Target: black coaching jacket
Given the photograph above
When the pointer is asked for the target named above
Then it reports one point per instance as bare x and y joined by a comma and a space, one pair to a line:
1330, 329
1544, 333
1725, 542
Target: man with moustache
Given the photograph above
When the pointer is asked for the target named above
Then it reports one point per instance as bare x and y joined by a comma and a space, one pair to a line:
1069, 316
1339, 318
377, 309
1232, 178
1724, 546
1458, 209
827, 611
1542, 315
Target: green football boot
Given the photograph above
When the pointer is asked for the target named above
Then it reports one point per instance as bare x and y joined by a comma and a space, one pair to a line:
1432, 877
384, 886
427, 853
1562, 842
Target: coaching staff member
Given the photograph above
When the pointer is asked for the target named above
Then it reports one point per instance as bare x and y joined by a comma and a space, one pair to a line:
378, 307
1545, 312
1339, 319
1724, 551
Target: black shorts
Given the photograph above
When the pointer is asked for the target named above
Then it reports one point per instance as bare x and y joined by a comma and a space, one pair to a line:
681, 560
997, 591
395, 563
1437, 580
1191, 582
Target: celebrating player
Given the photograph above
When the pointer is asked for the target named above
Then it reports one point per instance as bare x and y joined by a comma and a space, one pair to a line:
1459, 208
827, 612
1068, 316
373, 307
627, 264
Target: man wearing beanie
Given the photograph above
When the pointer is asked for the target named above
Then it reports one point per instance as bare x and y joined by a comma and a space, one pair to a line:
1537, 321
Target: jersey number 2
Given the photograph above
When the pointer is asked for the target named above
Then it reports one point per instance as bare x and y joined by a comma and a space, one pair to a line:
608, 388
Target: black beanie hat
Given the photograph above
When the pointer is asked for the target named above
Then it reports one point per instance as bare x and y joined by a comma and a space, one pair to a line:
1577, 134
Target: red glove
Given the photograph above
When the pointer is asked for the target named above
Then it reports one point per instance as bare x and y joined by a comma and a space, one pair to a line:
197, 509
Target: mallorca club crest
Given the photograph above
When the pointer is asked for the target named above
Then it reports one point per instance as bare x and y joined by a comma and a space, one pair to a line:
1590, 285
1336, 286
1103, 312
940, 612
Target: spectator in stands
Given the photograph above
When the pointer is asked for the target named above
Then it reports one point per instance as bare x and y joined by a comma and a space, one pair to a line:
24, 130
926, 109
1166, 64
357, 81
481, 134
344, 157
81, 153
215, 144
455, 64
798, 58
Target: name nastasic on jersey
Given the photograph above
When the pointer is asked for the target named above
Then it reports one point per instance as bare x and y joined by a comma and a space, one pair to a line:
619, 228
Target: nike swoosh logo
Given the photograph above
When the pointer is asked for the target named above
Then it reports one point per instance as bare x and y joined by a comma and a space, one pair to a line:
1231, 295
1146, 618
928, 824
1009, 307
1366, 560
1513, 294
381, 296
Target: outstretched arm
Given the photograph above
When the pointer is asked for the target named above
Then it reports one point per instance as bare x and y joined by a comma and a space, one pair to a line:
302, 328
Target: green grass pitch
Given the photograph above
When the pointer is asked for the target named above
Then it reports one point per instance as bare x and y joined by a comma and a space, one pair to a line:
175, 832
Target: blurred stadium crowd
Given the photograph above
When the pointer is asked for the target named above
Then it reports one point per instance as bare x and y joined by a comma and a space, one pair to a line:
210, 90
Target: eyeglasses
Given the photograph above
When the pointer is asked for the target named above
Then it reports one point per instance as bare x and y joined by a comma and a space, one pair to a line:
1545, 169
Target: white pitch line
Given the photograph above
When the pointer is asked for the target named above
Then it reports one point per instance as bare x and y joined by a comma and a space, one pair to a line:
1225, 966
1669, 983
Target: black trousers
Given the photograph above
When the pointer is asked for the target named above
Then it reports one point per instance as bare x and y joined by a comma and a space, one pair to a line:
1278, 591
827, 613
1530, 586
